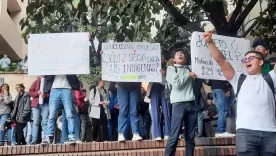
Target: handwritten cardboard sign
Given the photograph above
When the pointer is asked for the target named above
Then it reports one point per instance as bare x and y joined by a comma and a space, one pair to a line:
131, 62
203, 63
58, 54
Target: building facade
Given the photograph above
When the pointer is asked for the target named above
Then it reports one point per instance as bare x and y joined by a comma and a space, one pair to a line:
11, 42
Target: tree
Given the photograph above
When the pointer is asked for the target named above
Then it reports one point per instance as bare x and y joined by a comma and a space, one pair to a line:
132, 20
216, 12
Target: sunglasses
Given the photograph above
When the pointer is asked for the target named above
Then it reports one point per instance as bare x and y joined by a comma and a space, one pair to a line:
249, 59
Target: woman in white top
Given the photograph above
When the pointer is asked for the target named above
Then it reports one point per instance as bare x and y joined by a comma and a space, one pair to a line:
99, 103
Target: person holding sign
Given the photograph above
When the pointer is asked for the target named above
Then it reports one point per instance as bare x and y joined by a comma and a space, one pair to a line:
256, 121
61, 89
156, 94
183, 104
129, 96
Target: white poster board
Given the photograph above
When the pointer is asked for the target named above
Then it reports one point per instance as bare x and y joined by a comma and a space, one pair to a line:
131, 62
58, 54
203, 63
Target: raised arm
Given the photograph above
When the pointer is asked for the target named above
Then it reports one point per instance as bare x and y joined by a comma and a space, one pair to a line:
226, 67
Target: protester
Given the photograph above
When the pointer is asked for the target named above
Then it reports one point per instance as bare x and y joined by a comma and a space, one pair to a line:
61, 89
256, 122
222, 97
21, 113
183, 104
99, 100
260, 46
84, 117
40, 109
5, 61
129, 94
156, 92
113, 122
5, 109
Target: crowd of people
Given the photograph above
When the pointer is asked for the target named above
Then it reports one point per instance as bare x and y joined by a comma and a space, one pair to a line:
166, 110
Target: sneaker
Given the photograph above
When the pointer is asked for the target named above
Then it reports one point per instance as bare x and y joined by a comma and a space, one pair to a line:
79, 142
225, 135
70, 142
47, 141
121, 138
158, 139
136, 137
166, 137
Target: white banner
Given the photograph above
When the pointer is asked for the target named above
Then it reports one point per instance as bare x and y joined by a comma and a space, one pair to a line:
58, 54
131, 62
203, 63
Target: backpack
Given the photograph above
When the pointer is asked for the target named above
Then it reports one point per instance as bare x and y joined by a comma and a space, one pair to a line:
266, 77
96, 91
197, 85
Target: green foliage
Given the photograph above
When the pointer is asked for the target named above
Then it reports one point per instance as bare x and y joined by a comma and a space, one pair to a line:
13, 67
132, 20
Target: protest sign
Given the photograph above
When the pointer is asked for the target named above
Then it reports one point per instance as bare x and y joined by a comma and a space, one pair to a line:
131, 62
58, 54
203, 63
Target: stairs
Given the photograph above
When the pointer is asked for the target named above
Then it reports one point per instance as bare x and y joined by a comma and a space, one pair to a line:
204, 147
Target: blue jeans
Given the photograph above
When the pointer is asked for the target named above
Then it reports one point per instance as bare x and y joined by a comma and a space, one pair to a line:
128, 102
152, 126
28, 132
157, 99
221, 102
187, 112
3, 119
255, 143
144, 125
64, 133
112, 125
40, 110
11, 135
64, 97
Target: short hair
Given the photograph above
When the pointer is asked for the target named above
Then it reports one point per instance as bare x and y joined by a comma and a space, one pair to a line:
259, 42
272, 59
179, 49
255, 52
21, 85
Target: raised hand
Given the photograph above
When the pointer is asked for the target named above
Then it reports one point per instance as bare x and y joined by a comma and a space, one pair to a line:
208, 36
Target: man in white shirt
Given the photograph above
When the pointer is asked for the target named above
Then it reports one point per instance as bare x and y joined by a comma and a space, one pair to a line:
256, 120
61, 89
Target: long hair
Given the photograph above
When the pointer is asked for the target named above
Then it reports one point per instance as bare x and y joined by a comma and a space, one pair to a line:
21, 85
8, 88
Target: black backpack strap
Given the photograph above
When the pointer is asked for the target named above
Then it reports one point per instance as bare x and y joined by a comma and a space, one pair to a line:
188, 69
240, 82
95, 91
269, 81
175, 69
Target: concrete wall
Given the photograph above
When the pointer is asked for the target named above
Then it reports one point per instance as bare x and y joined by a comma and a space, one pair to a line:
11, 41
15, 78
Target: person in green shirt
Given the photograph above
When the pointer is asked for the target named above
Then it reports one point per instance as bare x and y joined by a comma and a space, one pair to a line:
260, 46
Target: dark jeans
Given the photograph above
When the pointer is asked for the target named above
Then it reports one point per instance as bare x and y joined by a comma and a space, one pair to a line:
99, 127
20, 139
186, 111
84, 119
255, 143
112, 125
144, 125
